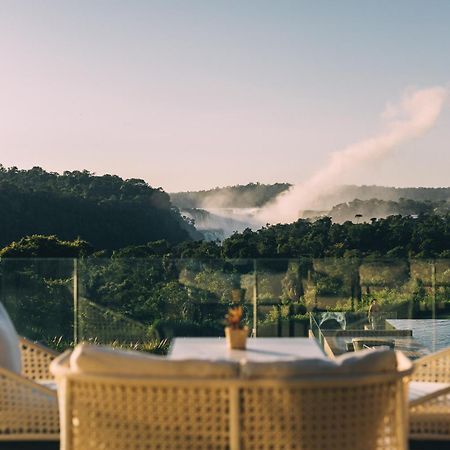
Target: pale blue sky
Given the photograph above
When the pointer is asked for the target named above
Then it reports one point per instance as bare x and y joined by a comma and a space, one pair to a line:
194, 94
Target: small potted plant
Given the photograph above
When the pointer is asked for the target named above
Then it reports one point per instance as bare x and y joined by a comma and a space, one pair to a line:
235, 331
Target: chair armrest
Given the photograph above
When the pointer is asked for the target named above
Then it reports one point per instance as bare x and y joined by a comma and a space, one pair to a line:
421, 392
36, 360
29, 411
18, 382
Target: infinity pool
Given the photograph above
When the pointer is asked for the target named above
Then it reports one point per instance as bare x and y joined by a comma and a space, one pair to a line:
434, 334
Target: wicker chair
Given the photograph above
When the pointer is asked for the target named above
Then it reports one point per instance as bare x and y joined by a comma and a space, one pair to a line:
28, 409
430, 409
119, 412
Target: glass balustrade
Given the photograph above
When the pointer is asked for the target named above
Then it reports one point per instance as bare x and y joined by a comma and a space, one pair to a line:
143, 303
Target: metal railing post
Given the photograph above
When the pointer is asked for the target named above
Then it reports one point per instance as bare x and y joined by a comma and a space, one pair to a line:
255, 298
75, 301
433, 287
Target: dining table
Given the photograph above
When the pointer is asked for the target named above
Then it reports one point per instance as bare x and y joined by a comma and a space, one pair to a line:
257, 349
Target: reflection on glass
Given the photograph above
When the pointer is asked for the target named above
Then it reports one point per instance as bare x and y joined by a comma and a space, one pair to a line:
140, 302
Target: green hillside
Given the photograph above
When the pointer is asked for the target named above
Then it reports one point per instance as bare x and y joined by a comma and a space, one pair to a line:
252, 195
255, 195
106, 211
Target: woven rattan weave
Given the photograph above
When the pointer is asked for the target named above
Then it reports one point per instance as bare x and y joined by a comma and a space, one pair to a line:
345, 413
431, 419
36, 360
28, 411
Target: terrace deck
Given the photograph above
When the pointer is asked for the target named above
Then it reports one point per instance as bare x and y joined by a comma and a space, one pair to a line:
336, 341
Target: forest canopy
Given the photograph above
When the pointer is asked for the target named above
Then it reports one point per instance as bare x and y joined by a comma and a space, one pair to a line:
107, 211
130, 218
427, 236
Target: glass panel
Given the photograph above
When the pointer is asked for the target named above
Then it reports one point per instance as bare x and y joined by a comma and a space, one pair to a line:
38, 295
139, 302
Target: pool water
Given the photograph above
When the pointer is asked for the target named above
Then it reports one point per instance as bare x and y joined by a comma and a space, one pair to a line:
434, 334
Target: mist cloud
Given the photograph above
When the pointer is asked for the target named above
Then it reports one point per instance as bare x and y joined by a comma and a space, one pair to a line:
413, 116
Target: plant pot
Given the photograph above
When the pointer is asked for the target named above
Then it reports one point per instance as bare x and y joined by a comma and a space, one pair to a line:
236, 337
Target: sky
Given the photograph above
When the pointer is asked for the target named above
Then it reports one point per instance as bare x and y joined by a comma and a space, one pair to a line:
191, 95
